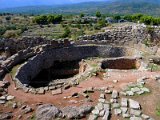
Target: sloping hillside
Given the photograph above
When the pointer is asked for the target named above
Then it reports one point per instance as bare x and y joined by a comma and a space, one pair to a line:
151, 7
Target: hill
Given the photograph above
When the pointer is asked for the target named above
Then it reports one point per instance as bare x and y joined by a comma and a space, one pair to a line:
150, 7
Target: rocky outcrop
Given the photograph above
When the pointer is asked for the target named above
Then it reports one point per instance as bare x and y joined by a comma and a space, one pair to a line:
47, 112
50, 112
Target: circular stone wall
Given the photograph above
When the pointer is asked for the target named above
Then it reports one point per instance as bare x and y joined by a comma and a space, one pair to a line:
31, 68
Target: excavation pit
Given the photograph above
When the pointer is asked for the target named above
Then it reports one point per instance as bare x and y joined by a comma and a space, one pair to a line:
60, 70
121, 64
62, 65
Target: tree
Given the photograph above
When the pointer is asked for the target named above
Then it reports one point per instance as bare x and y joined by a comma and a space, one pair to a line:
8, 18
58, 18
146, 20
42, 20
66, 33
81, 15
128, 17
98, 14
137, 17
117, 17
50, 18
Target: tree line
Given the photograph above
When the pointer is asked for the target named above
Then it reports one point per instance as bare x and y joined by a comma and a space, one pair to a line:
146, 19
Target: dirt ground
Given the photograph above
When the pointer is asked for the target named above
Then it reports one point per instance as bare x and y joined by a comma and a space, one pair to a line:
148, 102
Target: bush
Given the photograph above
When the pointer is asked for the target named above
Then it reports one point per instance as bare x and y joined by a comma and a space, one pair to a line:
12, 33
43, 19
98, 14
66, 33
146, 20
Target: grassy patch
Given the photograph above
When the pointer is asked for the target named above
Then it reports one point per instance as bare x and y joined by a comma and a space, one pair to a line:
33, 117
153, 67
14, 70
158, 110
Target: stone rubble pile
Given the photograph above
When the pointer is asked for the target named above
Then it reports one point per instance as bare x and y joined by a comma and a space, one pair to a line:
135, 88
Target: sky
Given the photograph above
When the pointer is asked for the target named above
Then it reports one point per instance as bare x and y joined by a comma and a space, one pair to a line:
19, 3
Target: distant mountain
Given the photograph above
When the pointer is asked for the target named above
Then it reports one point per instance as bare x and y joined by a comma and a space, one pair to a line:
151, 7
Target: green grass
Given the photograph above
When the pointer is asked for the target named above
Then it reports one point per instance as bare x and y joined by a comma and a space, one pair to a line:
33, 117
154, 67
14, 70
158, 110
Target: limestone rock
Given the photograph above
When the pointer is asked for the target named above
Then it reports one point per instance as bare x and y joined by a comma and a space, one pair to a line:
92, 117
101, 100
41, 91
95, 112
124, 102
117, 111
124, 109
135, 89
115, 105
102, 96
73, 112
47, 112
146, 117
129, 93
56, 92
114, 94
135, 112
135, 118
9, 97
134, 104
5, 116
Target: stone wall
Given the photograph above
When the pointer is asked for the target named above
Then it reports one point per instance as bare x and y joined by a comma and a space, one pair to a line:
15, 45
33, 66
23, 55
121, 35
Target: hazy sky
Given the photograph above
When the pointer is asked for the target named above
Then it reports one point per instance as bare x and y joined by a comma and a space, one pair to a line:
17, 3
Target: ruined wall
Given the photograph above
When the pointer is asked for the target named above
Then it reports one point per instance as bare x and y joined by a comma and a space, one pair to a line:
15, 45
23, 55
121, 35
46, 59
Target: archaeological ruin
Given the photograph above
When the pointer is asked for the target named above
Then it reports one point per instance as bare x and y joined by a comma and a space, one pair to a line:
38, 67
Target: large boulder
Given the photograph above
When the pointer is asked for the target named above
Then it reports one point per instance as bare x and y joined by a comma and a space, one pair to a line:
47, 112
73, 112
5, 116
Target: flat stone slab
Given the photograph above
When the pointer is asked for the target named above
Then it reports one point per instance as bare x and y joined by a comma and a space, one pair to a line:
124, 110
95, 111
145, 89
92, 117
124, 102
106, 115
41, 91
9, 97
135, 112
146, 117
114, 94
2, 101
135, 118
134, 104
117, 111
116, 105
129, 93
102, 96
56, 92
135, 89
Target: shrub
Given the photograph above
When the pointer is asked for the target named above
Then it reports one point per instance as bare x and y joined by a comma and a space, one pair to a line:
98, 14
12, 33
66, 33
